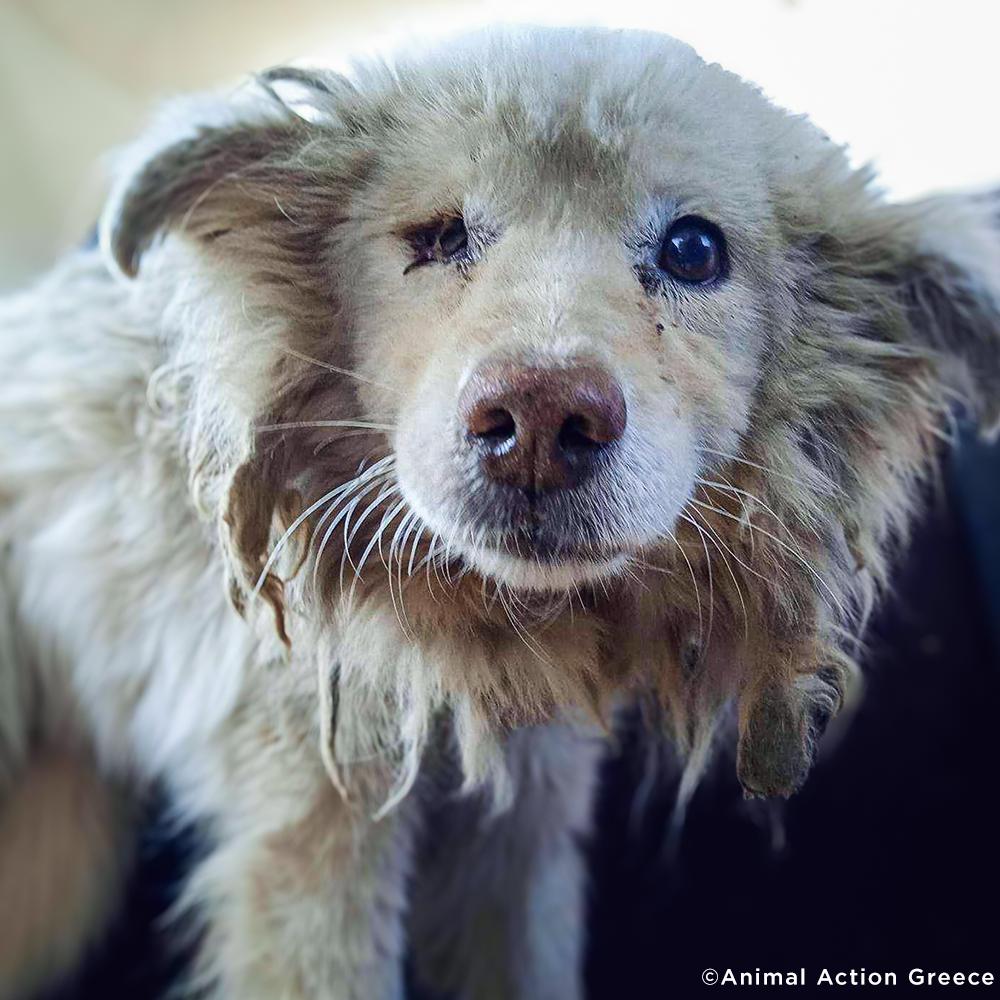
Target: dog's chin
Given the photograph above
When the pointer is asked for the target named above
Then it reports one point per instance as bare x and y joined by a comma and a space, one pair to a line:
544, 575
541, 561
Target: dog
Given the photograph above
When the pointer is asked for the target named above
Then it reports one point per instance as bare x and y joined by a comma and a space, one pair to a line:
405, 426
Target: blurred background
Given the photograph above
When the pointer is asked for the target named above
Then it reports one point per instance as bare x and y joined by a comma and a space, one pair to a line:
887, 859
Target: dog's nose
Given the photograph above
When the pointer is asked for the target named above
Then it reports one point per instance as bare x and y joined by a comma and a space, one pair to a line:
540, 428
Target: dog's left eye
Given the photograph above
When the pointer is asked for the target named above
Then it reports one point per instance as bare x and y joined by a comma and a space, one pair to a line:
693, 251
440, 241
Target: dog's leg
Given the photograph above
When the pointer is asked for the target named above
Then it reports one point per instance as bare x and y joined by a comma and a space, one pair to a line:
499, 902
305, 893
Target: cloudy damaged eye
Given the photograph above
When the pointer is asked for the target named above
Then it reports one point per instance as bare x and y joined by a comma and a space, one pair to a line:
437, 242
693, 251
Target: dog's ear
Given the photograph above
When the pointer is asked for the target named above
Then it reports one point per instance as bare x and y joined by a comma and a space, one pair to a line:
316, 96
210, 166
921, 277
949, 285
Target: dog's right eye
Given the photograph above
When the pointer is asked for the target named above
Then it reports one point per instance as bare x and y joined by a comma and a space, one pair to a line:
440, 242
693, 251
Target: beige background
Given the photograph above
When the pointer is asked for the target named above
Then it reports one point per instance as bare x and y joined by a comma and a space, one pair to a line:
911, 84
78, 77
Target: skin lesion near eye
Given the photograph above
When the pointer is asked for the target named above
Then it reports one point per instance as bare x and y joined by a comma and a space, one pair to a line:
438, 242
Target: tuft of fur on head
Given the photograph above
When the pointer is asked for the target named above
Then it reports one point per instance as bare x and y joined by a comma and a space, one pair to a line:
780, 422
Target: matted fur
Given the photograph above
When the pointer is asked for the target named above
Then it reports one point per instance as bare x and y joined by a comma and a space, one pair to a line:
260, 412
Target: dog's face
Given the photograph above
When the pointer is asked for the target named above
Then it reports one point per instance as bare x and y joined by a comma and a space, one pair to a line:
562, 310
589, 306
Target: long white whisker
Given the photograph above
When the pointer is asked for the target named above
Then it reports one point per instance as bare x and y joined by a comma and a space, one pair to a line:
352, 503
413, 550
387, 519
398, 548
728, 547
298, 424
429, 559
386, 491
376, 540
293, 527
833, 487
725, 559
336, 369
757, 500
345, 516
711, 581
694, 580
788, 548
529, 642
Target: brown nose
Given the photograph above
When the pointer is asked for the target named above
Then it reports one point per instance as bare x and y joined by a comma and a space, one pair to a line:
541, 428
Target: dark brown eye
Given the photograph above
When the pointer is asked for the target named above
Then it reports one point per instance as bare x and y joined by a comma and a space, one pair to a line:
439, 242
693, 251
453, 237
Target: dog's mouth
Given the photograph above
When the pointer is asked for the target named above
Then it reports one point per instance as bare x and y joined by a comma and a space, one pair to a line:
543, 542
550, 574
536, 562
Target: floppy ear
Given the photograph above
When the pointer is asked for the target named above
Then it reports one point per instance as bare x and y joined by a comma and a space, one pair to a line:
210, 166
245, 173
950, 289
920, 277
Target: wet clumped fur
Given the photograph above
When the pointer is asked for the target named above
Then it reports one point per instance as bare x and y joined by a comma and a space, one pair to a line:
254, 546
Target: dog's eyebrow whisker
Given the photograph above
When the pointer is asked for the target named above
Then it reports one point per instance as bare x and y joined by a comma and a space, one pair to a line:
300, 424
336, 369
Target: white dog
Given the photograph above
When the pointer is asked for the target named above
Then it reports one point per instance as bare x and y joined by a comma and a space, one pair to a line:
421, 418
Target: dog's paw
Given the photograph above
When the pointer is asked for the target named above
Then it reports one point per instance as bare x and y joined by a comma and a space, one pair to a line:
775, 746
780, 728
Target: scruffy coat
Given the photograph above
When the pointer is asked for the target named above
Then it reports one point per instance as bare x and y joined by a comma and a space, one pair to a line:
244, 551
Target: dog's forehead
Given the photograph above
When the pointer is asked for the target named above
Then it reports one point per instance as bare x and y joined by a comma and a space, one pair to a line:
535, 128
